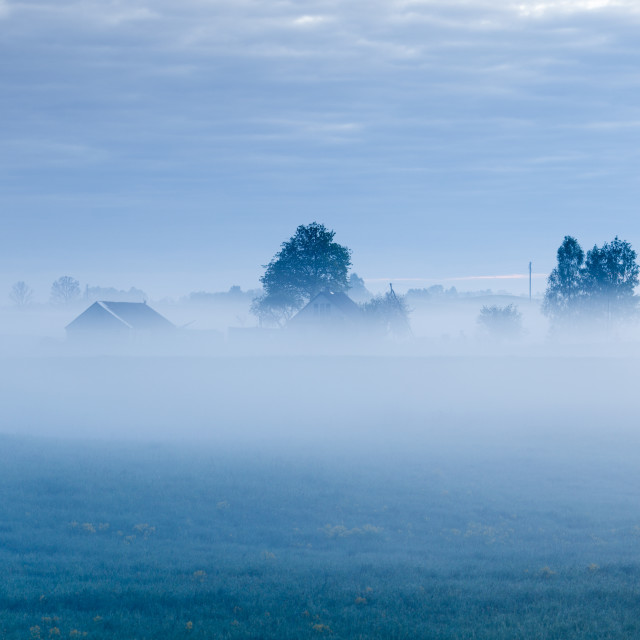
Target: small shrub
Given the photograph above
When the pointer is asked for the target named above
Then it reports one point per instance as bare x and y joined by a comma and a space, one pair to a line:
501, 322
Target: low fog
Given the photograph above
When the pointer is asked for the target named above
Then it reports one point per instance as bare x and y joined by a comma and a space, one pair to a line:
293, 483
325, 401
218, 376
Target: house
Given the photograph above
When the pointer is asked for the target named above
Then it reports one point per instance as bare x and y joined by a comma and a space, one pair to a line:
111, 319
328, 310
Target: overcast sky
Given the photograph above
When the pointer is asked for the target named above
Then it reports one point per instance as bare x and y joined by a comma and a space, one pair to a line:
173, 146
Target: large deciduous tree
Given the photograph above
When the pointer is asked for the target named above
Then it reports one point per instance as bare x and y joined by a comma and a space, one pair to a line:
309, 262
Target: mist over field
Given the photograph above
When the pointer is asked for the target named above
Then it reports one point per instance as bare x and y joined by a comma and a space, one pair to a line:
291, 463
362, 496
307, 399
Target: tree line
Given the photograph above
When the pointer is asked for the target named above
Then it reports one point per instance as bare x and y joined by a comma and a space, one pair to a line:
583, 288
64, 290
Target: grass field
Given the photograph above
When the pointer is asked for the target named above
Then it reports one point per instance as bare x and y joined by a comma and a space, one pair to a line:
106, 540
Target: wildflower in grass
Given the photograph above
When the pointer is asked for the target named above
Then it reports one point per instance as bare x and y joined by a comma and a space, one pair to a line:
97, 618
103, 526
35, 632
322, 628
235, 623
369, 528
199, 576
268, 555
188, 626
340, 531
88, 527
593, 567
144, 528
360, 600
337, 531
54, 631
546, 572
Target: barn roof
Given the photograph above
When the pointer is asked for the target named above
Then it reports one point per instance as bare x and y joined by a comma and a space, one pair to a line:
138, 316
341, 301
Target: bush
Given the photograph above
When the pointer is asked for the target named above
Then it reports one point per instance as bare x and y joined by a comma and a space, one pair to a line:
501, 322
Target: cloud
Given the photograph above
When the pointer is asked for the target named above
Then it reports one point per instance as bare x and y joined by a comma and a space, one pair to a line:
614, 125
322, 128
310, 21
29, 152
121, 16
534, 8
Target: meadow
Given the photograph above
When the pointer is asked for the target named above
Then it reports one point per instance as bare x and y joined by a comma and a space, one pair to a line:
112, 539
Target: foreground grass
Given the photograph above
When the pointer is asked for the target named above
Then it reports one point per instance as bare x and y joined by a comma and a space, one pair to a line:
141, 542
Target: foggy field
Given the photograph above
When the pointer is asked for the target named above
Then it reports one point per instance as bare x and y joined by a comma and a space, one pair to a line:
319, 497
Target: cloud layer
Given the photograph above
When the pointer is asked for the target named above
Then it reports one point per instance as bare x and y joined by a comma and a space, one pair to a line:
471, 118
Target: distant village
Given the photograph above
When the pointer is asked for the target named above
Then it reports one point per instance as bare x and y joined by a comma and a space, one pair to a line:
310, 295
109, 316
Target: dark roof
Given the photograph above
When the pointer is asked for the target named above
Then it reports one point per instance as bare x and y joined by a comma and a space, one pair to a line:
340, 300
123, 315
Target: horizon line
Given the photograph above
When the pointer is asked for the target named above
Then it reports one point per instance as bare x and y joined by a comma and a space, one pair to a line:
512, 276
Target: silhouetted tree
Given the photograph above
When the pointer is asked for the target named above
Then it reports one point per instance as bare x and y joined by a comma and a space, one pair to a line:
307, 263
65, 290
596, 288
21, 294
565, 285
610, 276
501, 322
388, 312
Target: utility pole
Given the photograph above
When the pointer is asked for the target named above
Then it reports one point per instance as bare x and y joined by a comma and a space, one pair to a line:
529, 281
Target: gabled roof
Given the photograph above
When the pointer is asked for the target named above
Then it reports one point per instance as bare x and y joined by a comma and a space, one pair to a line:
137, 316
346, 307
339, 299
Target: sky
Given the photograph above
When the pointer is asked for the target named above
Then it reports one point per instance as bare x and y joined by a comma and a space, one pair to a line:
172, 146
